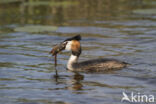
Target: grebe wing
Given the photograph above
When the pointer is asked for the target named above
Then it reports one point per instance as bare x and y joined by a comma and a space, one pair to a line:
100, 65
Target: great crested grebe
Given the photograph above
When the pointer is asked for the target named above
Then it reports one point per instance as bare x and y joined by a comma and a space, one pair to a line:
73, 44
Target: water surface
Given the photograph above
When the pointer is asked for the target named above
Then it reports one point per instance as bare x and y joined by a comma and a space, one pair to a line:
117, 29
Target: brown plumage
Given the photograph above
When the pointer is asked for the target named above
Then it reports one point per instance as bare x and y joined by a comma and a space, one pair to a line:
75, 45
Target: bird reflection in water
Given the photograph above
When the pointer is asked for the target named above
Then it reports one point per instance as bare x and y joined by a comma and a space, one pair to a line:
74, 83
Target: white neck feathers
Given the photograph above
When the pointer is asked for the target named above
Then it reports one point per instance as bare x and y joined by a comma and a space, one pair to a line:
72, 59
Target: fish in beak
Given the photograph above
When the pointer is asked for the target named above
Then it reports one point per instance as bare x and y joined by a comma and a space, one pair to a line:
58, 48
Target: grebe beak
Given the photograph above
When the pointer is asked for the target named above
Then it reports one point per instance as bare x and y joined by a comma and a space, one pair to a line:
58, 48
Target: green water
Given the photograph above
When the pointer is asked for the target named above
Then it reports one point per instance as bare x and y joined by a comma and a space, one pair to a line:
120, 29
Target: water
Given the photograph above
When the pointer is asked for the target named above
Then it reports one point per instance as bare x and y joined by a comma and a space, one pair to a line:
113, 29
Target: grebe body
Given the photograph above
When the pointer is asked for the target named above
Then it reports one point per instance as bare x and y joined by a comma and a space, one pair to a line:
97, 65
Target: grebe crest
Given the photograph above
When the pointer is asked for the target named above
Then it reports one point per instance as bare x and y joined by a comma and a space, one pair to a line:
73, 44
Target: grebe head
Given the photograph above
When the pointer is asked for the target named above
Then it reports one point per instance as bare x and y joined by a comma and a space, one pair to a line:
72, 44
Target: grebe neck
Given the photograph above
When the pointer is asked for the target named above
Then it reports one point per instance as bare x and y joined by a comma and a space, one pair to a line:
73, 59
